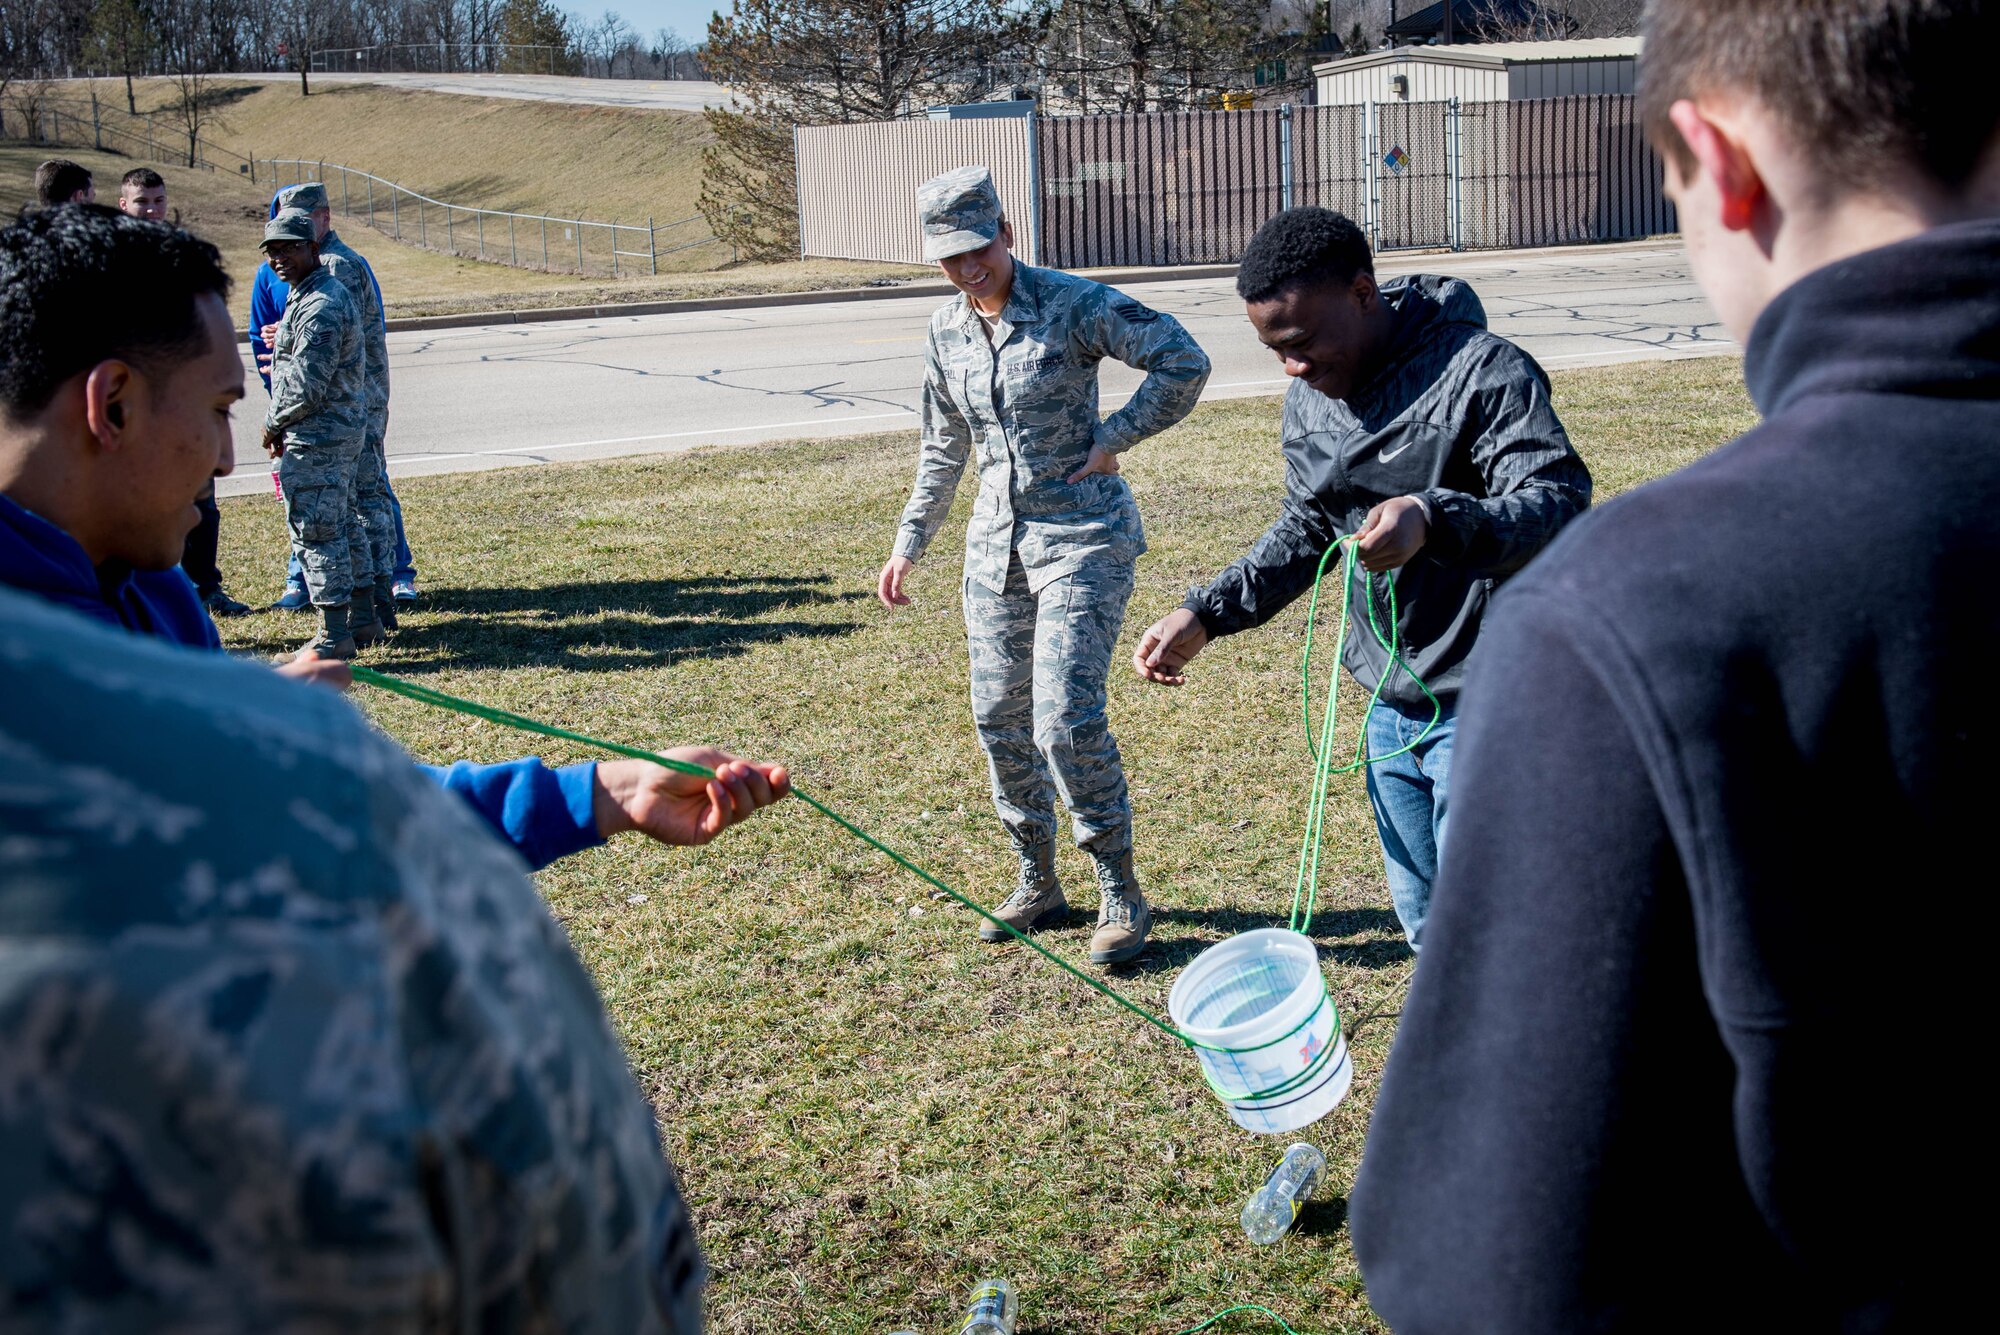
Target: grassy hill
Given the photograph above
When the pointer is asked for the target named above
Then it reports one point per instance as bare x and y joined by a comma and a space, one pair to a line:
608, 164
601, 163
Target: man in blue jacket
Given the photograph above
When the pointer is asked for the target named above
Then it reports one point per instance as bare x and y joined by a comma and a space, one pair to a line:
110, 427
268, 293
1695, 1042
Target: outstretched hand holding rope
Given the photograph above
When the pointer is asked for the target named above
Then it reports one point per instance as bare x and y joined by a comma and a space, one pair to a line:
679, 808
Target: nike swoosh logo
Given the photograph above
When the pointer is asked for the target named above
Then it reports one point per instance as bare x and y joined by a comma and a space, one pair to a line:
1387, 455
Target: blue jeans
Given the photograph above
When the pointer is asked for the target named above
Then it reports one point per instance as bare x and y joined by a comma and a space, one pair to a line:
1408, 794
405, 567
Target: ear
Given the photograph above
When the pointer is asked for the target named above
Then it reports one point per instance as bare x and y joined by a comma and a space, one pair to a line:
1722, 157
110, 394
1366, 293
1007, 233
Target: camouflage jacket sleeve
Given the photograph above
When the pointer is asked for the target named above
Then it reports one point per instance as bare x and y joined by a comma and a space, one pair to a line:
1117, 326
374, 333
947, 442
306, 376
1535, 481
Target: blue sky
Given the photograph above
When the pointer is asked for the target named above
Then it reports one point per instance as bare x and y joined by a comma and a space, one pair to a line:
689, 18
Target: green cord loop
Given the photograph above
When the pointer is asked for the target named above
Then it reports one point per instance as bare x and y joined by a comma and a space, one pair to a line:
1305, 891
1231, 1311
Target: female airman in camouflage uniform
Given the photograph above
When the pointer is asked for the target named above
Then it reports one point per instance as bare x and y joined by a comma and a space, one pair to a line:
1011, 380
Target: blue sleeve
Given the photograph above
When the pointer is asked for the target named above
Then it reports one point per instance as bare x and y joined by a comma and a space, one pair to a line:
267, 303
544, 813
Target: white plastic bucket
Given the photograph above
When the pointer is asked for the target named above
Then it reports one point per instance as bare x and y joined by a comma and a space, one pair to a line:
1270, 1038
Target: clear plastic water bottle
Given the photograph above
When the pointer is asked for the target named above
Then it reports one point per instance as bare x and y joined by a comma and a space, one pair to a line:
994, 1308
1275, 1207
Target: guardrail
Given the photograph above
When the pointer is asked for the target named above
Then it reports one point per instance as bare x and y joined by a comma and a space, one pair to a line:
464, 230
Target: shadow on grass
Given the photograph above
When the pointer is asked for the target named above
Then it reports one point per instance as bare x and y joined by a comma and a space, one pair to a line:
1322, 1218
613, 626
1387, 947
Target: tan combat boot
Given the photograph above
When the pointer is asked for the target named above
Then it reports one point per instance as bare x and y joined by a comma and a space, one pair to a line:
1123, 920
334, 640
1037, 900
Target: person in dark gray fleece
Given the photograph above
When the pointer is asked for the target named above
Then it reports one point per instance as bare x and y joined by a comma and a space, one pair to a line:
1431, 441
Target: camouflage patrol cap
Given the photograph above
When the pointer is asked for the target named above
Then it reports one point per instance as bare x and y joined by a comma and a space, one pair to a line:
289, 225
308, 195
959, 210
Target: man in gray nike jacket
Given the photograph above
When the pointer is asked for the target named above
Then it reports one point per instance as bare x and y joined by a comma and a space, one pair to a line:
1433, 443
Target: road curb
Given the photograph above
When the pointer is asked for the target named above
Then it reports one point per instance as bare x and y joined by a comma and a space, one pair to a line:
830, 296
753, 300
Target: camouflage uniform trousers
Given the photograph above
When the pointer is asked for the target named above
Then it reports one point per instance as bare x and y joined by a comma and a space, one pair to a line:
318, 480
372, 531
1039, 661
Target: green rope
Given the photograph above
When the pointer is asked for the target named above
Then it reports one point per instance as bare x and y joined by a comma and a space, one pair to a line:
1240, 1307
1305, 891
441, 700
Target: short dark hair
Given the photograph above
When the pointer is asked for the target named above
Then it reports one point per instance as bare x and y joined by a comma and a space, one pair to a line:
1874, 88
1304, 247
59, 178
143, 177
68, 276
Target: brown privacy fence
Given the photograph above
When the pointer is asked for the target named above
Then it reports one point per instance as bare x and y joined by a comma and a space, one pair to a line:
1191, 187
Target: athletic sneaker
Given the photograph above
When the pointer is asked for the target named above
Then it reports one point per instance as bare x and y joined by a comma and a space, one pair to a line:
405, 589
293, 599
221, 604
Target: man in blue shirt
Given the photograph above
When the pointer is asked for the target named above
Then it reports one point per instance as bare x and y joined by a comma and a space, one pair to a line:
268, 293
109, 428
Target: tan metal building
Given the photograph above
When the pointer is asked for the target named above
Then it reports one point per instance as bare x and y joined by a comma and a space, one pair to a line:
1489, 72
858, 183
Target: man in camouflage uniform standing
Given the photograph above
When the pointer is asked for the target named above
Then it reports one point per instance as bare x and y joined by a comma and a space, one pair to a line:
371, 472
1011, 378
317, 426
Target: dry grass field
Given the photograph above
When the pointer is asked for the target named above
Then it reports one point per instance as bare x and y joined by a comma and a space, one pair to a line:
869, 1109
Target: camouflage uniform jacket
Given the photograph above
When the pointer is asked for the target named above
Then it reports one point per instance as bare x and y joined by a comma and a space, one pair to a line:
352, 271
319, 390
1026, 404
288, 1042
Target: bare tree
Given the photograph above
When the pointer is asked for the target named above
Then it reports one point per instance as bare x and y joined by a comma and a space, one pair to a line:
1149, 55
606, 42
188, 47
830, 62
121, 39
673, 55
307, 26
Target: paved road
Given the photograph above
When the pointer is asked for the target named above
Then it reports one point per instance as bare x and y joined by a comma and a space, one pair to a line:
652, 94
509, 395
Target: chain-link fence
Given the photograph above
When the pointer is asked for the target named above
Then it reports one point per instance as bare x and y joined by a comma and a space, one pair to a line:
60, 122
440, 58
525, 240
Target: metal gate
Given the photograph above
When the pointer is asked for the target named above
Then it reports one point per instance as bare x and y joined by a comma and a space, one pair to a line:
1413, 166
